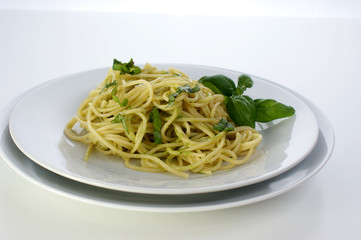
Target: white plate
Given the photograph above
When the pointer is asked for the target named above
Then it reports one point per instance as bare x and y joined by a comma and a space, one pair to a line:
169, 203
37, 123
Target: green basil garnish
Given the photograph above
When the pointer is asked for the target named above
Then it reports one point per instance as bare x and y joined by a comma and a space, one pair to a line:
269, 110
244, 82
108, 86
128, 67
124, 103
185, 88
114, 92
242, 109
116, 99
157, 125
120, 118
219, 84
223, 125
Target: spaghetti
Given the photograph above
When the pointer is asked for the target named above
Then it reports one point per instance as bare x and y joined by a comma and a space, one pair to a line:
120, 117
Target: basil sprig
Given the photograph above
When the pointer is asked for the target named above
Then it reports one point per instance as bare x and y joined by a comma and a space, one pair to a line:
242, 109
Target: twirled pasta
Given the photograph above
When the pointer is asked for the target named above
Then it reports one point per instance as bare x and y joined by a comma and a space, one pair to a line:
190, 144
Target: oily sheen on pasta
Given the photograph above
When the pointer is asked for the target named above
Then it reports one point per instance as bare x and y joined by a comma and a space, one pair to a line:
115, 120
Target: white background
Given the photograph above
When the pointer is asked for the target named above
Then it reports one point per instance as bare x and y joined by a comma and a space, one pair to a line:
312, 47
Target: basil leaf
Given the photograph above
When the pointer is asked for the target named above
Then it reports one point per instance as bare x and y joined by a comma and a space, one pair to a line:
128, 67
157, 125
219, 84
151, 116
188, 89
171, 99
244, 82
223, 125
120, 118
196, 88
124, 103
115, 90
242, 110
109, 85
116, 99
185, 88
269, 110
117, 119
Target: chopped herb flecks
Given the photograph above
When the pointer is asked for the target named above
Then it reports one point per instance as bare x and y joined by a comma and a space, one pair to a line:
185, 88
120, 118
157, 125
223, 125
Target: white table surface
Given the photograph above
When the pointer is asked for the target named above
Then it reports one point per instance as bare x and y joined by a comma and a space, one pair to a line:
317, 57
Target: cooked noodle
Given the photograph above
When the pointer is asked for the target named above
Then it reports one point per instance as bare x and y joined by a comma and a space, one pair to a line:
189, 142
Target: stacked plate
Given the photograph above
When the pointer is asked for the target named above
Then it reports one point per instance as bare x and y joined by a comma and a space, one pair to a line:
33, 143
